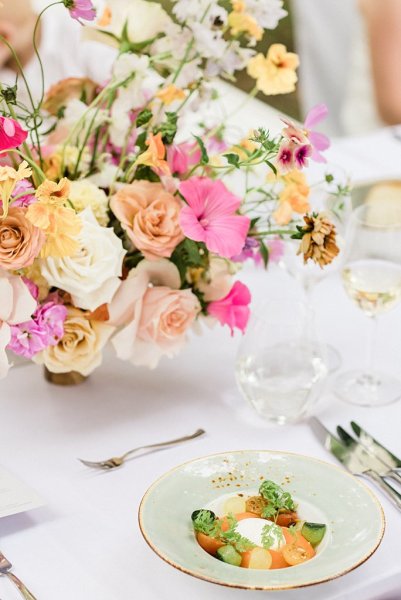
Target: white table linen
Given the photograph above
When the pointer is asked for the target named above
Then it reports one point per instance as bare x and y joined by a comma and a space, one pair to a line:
85, 544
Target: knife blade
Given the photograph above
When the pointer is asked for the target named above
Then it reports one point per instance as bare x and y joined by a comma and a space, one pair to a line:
375, 462
371, 443
355, 459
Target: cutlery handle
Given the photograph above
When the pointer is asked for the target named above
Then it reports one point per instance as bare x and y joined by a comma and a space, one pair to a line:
390, 492
395, 475
185, 438
22, 588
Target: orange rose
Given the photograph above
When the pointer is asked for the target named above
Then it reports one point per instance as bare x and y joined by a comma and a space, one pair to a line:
20, 240
150, 216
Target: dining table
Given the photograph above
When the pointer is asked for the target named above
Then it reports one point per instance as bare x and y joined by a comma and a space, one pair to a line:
84, 542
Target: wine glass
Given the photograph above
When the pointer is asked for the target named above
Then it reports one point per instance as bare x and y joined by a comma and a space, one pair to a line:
372, 279
280, 367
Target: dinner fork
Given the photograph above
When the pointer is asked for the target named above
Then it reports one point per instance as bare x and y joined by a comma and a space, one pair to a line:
5, 569
117, 461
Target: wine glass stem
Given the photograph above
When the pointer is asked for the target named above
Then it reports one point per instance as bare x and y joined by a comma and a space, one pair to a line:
370, 363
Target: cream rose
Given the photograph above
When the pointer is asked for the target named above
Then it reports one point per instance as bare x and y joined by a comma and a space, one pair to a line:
150, 216
20, 241
217, 281
80, 348
16, 306
154, 313
85, 194
92, 275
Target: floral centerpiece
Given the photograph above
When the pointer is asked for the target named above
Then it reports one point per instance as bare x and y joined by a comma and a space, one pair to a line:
118, 223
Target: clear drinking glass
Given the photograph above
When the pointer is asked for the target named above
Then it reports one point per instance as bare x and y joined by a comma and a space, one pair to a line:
372, 279
280, 367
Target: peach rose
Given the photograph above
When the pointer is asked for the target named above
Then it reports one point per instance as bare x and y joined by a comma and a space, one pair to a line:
150, 216
20, 240
155, 314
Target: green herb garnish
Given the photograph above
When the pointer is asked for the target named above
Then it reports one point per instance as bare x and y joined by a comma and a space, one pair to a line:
277, 499
231, 536
267, 537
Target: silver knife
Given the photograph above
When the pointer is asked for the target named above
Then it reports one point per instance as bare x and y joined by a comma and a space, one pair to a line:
356, 460
378, 464
371, 444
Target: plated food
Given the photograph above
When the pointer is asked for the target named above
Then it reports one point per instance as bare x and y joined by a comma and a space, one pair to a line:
258, 531
261, 520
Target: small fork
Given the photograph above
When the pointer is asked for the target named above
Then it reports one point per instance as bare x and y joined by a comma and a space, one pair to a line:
117, 461
5, 569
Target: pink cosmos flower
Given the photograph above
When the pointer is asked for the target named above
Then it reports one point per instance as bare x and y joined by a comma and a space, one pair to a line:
233, 309
44, 329
180, 157
210, 216
11, 133
300, 143
81, 9
251, 251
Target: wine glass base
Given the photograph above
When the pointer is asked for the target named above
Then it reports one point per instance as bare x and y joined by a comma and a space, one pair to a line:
362, 389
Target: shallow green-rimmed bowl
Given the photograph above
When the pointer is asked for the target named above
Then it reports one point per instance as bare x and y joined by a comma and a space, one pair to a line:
324, 493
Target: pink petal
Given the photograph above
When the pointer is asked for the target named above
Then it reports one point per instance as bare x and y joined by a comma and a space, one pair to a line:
190, 225
317, 157
226, 236
315, 115
208, 198
9, 127
319, 140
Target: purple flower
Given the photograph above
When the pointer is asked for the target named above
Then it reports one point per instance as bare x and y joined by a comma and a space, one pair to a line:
319, 141
44, 329
32, 287
249, 251
276, 249
81, 9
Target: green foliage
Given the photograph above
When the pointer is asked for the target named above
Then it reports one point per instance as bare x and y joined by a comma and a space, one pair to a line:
264, 251
189, 254
267, 536
231, 536
168, 129
233, 159
9, 94
144, 117
204, 155
145, 172
204, 521
276, 497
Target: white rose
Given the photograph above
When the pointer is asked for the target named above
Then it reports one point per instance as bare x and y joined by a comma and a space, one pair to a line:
92, 275
145, 20
85, 194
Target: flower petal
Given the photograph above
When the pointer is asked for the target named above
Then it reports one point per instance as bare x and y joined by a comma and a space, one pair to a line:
226, 236
315, 115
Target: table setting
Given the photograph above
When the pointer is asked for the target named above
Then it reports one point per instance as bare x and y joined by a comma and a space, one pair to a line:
200, 355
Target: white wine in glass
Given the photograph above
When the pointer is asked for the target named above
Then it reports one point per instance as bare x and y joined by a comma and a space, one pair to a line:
372, 279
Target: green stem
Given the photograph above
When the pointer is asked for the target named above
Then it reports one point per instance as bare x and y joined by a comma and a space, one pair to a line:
35, 47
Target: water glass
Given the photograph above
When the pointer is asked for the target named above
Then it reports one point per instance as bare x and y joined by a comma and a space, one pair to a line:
281, 367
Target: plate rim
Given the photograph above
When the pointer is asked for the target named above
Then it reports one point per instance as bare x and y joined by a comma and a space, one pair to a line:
261, 587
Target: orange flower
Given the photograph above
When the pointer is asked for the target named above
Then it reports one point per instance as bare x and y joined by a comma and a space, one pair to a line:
59, 222
65, 90
293, 198
154, 155
170, 93
274, 73
105, 18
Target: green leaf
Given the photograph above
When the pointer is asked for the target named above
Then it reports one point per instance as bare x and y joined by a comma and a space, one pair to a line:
189, 254
145, 172
277, 498
329, 178
233, 159
253, 222
204, 155
205, 523
264, 250
143, 117
267, 536
270, 164
168, 129
141, 141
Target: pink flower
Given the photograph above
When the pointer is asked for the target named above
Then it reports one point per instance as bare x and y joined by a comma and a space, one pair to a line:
301, 155
26, 194
81, 9
276, 250
210, 216
44, 329
32, 287
11, 133
181, 157
285, 157
233, 309
319, 141
250, 250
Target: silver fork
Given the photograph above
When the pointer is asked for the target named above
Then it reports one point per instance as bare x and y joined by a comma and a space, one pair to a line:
117, 461
5, 569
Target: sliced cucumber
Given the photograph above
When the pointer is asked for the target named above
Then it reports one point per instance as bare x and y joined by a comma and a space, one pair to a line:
229, 555
313, 532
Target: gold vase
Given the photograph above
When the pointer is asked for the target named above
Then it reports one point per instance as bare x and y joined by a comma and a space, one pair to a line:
70, 378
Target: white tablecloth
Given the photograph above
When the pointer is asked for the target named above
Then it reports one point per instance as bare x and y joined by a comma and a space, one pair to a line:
85, 543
